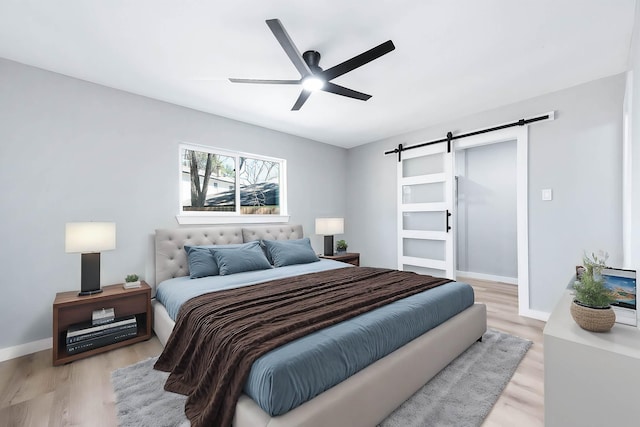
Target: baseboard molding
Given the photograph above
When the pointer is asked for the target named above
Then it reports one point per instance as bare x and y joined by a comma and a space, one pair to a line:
490, 277
535, 314
24, 349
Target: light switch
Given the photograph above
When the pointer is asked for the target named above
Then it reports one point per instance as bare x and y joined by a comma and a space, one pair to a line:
547, 194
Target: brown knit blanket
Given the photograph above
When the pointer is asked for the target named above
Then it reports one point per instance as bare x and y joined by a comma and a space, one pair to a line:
219, 335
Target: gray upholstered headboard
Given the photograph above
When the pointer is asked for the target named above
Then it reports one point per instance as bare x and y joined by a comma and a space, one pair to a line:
171, 259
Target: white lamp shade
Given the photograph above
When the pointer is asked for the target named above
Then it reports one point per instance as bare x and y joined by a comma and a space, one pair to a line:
88, 237
329, 226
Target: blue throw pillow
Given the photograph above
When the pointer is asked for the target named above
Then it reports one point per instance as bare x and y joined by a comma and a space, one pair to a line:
201, 260
248, 257
289, 252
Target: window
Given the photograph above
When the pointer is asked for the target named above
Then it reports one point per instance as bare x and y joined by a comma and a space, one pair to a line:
227, 186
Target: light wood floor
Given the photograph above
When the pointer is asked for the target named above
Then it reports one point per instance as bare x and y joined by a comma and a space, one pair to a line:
522, 401
34, 393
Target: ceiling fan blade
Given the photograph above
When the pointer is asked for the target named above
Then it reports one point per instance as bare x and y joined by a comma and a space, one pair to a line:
287, 44
341, 90
271, 82
358, 61
304, 95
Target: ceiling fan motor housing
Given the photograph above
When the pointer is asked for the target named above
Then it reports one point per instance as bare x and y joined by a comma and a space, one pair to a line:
312, 58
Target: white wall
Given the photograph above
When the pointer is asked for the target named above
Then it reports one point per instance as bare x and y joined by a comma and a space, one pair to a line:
486, 238
76, 151
634, 212
578, 155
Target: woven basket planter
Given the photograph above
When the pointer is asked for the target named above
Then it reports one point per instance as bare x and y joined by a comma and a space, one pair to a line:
593, 319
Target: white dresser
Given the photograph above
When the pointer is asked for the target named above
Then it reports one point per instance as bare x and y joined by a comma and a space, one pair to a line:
590, 379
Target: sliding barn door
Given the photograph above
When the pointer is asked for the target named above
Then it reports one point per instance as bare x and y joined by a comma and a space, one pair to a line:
425, 211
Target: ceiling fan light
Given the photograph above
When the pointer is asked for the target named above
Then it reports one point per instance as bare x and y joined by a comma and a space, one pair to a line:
312, 83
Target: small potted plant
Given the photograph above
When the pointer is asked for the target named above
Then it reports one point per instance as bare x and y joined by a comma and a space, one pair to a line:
591, 308
341, 246
131, 281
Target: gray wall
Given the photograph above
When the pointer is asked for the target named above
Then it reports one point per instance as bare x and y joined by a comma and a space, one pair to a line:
487, 215
578, 155
76, 151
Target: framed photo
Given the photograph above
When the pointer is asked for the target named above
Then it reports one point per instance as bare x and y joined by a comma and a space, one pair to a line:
622, 283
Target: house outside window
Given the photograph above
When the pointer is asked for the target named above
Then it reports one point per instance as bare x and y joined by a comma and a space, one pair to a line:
226, 186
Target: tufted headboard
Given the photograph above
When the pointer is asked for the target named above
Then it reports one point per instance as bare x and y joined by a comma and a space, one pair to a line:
171, 258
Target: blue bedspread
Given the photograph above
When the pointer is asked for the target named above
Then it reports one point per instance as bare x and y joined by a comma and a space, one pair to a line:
290, 375
173, 293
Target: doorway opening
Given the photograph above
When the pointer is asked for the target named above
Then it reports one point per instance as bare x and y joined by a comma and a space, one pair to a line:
521, 137
486, 212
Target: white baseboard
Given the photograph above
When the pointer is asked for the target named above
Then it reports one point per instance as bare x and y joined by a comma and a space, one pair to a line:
535, 314
23, 349
490, 277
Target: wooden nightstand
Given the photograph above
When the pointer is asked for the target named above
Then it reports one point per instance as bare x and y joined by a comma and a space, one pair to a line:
348, 257
69, 308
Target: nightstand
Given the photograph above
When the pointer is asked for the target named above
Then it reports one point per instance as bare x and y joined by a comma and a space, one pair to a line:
69, 309
348, 257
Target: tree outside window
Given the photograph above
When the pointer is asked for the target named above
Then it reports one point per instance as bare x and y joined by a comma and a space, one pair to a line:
259, 186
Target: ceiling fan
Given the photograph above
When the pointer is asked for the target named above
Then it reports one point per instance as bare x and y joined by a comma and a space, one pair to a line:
312, 77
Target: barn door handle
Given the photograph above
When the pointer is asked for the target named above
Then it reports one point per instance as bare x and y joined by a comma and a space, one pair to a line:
448, 216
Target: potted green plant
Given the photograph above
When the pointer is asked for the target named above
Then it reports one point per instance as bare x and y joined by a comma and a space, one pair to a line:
341, 246
131, 281
591, 307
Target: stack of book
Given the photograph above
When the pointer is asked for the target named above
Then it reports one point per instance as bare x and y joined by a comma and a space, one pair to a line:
87, 336
105, 315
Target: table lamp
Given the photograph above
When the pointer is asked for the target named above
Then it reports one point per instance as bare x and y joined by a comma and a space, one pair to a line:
328, 227
89, 239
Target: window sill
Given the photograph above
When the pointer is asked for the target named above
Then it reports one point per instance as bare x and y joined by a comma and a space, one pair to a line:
231, 219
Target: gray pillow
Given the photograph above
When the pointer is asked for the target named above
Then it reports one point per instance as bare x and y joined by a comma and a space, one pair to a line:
201, 260
248, 257
289, 252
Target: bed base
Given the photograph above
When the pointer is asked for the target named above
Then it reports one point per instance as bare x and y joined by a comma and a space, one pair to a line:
368, 397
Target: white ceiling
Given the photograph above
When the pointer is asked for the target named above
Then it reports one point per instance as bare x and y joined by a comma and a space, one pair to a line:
452, 57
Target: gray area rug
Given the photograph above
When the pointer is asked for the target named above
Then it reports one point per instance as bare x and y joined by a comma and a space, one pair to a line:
461, 395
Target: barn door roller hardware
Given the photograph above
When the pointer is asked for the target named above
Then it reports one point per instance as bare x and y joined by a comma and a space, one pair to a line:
450, 137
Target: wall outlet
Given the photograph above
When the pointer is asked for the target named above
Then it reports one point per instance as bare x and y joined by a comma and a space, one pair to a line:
547, 194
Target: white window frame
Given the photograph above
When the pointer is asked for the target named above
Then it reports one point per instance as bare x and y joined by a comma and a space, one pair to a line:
208, 217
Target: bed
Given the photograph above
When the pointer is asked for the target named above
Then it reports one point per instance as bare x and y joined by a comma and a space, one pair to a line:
363, 399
